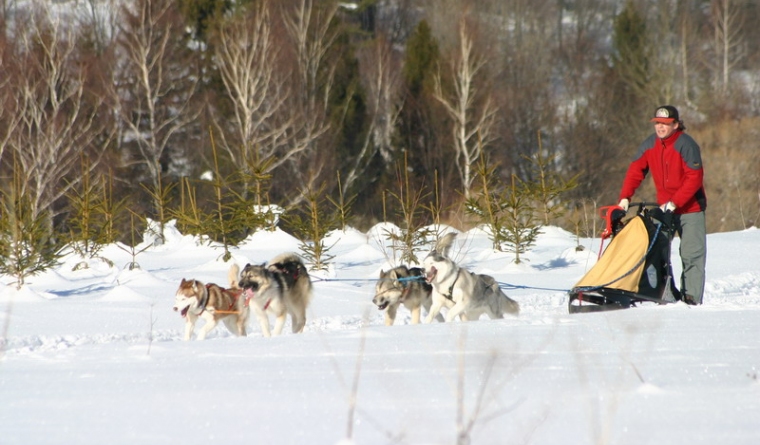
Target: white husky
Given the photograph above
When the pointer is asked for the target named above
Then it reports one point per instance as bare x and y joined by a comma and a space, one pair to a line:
464, 293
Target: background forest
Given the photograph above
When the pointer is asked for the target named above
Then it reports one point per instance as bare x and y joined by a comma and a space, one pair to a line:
221, 114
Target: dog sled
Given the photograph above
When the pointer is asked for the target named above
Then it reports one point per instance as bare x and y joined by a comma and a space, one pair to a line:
635, 267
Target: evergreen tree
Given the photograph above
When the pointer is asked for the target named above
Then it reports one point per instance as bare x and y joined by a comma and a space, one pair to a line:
348, 114
631, 66
311, 225
414, 233
229, 216
26, 245
200, 14
487, 205
549, 186
509, 213
92, 218
521, 228
419, 132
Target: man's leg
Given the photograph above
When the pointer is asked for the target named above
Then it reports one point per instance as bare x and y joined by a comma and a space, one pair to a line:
693, 233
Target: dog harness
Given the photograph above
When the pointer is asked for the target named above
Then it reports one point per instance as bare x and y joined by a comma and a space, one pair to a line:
450, 296
235, 295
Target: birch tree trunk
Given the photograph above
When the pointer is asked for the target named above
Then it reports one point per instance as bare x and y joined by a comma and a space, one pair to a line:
473, 117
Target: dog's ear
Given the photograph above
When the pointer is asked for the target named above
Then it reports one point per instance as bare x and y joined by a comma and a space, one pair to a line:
382, 273
443, 245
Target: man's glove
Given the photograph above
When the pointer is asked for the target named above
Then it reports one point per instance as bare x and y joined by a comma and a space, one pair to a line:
624, 204
668, 207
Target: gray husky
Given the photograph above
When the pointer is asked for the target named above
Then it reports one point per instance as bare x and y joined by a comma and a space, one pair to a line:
403, 285
464, 293
280, 287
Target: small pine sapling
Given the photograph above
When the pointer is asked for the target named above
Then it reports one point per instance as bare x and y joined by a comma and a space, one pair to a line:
549, 185
342, 206
413, 235
26, 245
132, 249
521, 227
310, 226
488, 205
161, 196
88, 229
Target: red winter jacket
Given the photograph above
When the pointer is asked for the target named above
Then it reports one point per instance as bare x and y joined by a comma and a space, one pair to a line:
676, 166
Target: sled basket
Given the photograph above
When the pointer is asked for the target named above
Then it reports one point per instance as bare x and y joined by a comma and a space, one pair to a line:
634, 268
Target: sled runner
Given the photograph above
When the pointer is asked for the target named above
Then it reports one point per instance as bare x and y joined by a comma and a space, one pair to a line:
635, 267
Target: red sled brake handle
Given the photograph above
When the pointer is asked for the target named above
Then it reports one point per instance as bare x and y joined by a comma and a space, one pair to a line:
606, 214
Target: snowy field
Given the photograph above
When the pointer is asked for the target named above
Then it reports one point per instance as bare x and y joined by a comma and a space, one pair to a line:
96, 356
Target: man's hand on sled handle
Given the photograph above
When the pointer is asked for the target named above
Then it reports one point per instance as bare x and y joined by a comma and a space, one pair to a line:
668, 207
623, 204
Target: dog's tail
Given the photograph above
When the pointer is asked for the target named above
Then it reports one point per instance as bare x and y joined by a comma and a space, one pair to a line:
287, 257
233, 276
510, 306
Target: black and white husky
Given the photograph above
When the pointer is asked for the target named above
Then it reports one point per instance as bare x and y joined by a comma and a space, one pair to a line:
464, 293
280, 287
403, 285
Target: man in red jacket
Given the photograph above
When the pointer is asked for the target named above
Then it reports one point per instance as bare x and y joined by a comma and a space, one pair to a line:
675, 162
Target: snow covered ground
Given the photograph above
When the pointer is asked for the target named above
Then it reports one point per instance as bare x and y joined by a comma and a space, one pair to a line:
95, 356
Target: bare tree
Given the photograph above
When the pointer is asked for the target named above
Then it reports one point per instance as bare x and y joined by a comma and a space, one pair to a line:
245, 55
309, 27
267, 126
154, 89
313, 36
473, 115
727, 42
55, 117
9, 116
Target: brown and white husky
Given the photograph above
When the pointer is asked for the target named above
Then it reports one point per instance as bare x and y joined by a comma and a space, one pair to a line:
212, 303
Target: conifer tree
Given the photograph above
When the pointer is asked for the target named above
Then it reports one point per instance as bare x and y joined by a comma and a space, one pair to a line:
521, 228
26, 245
161, 195
631, 65
413, 233
508, 212
419, 131
230, 215
549, 185
88, 224
487, 204
132, 248
342, 206
311, 225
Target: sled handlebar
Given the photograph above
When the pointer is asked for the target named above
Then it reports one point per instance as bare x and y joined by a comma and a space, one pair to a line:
613, 214
641, 205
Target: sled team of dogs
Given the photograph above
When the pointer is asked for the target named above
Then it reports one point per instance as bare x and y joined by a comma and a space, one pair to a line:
283, 287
